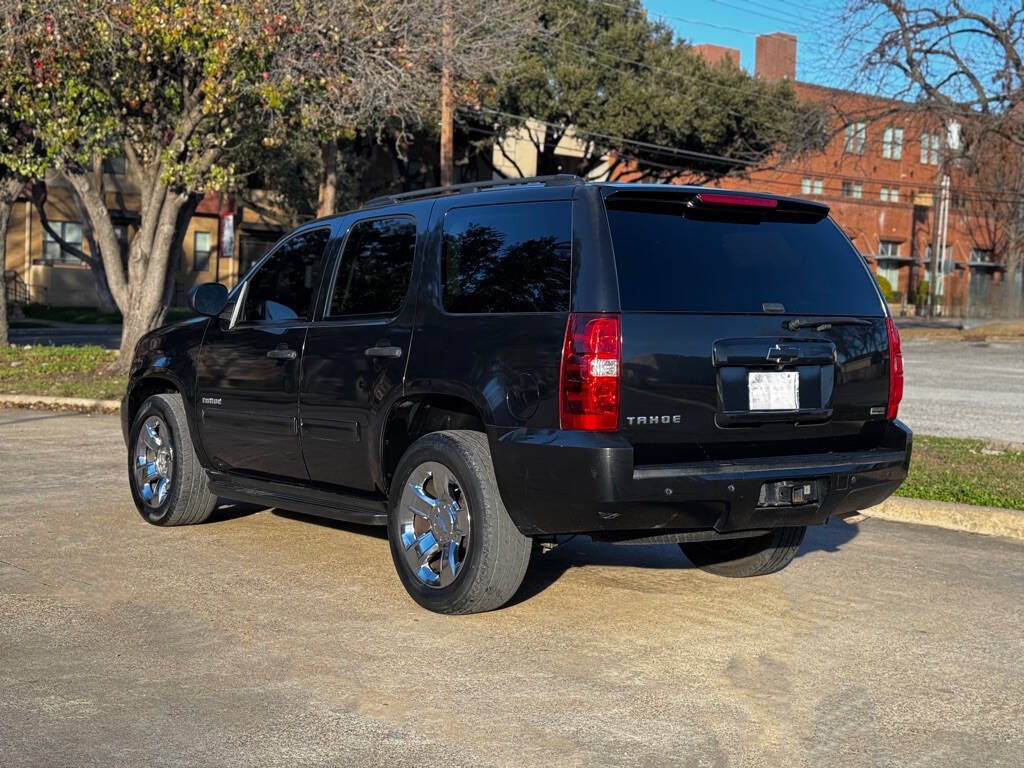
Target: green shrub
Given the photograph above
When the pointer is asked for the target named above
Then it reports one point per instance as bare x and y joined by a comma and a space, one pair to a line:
891, 296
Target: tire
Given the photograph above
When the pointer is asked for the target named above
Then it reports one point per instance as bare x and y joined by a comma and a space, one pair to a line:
485, 567
187, 499
740, 558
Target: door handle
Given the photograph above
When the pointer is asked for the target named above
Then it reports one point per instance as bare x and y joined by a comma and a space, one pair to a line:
282, 354
383, 351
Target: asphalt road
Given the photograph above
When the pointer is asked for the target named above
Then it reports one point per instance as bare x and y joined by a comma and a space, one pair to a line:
965, 389
66, 334
265, 638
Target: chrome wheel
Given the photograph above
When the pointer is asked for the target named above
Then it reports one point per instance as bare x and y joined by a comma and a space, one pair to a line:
154, 461
434, 524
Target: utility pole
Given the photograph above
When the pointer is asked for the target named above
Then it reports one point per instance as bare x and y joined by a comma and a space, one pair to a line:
939, 244
447, 129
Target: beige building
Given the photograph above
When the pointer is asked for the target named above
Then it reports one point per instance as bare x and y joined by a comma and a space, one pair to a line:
39, 271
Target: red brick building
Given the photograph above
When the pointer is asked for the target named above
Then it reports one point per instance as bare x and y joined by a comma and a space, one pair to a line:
881, 176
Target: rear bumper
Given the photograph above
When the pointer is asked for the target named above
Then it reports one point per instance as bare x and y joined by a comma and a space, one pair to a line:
554, 481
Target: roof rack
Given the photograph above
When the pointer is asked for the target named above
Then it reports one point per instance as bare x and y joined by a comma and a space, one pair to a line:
556, 180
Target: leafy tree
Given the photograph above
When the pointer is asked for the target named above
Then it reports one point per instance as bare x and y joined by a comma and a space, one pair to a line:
630, 89
179, 87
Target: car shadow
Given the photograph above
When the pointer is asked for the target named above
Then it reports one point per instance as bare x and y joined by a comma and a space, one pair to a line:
572, 552
374, 531
582, 551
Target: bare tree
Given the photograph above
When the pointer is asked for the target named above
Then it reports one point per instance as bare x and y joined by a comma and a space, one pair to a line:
945, 58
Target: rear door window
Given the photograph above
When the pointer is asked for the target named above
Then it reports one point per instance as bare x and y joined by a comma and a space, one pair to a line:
667, 262
507, 258
375, 267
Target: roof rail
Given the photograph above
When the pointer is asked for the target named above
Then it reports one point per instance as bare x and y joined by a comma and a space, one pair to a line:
556, 180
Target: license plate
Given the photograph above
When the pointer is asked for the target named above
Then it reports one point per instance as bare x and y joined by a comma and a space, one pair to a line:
773, 390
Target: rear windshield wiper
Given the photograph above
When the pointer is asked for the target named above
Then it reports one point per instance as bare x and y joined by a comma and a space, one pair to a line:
823, 323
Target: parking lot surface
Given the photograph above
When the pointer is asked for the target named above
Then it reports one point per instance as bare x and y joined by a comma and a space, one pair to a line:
265, 638
965, 389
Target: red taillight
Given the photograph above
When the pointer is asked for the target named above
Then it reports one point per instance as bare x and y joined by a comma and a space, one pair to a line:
589, 396
743, 201
895, 369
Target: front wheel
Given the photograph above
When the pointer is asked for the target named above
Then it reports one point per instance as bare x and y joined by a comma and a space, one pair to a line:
454, 545
169, 486
739, 558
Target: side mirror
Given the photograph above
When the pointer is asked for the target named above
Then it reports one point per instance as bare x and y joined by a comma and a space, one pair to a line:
208, 299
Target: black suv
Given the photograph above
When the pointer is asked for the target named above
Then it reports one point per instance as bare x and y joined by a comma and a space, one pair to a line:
483, 365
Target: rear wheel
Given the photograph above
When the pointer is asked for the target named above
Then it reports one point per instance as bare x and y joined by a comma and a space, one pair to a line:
169, 486
454, 545
739, 558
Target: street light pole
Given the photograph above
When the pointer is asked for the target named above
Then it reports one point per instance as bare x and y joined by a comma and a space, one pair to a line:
939, 244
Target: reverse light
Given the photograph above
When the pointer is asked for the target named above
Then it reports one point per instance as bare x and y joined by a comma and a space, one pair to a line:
591, 359
895, 369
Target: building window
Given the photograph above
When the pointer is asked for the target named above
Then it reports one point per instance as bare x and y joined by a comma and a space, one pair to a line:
946, 264
809, 186
123, 239
888, 249
71, 233
114, 165
852, 189
889, 195
854, 137
892, 143
929, 149
982, 256
200, 251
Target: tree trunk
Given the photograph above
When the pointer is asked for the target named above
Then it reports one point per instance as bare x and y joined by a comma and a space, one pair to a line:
139, 293
328, 179
9, 189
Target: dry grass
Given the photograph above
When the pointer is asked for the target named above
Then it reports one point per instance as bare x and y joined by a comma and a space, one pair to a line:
997, 329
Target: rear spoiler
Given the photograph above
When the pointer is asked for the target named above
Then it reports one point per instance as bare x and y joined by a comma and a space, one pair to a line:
702, 203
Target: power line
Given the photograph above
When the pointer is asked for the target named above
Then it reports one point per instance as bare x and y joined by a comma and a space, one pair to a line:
678, 152
966, 193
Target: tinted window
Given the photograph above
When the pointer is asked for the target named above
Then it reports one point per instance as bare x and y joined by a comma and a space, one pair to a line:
507, 258
285, 285
373, 275
670, 263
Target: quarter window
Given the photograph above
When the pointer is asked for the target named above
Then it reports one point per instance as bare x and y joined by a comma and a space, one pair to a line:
507, 258
375, 267
284, 286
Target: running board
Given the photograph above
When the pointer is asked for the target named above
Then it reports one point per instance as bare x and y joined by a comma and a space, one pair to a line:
364, 509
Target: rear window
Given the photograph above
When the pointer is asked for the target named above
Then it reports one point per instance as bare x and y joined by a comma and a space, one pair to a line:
668, 263
507, 258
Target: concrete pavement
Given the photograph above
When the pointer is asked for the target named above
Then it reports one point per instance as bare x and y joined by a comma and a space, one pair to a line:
965, 389
270, 639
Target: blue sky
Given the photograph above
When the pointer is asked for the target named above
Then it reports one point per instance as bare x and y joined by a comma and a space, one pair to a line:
735, 24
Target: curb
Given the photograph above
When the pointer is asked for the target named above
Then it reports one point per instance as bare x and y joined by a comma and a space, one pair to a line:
63, 403
988, 521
